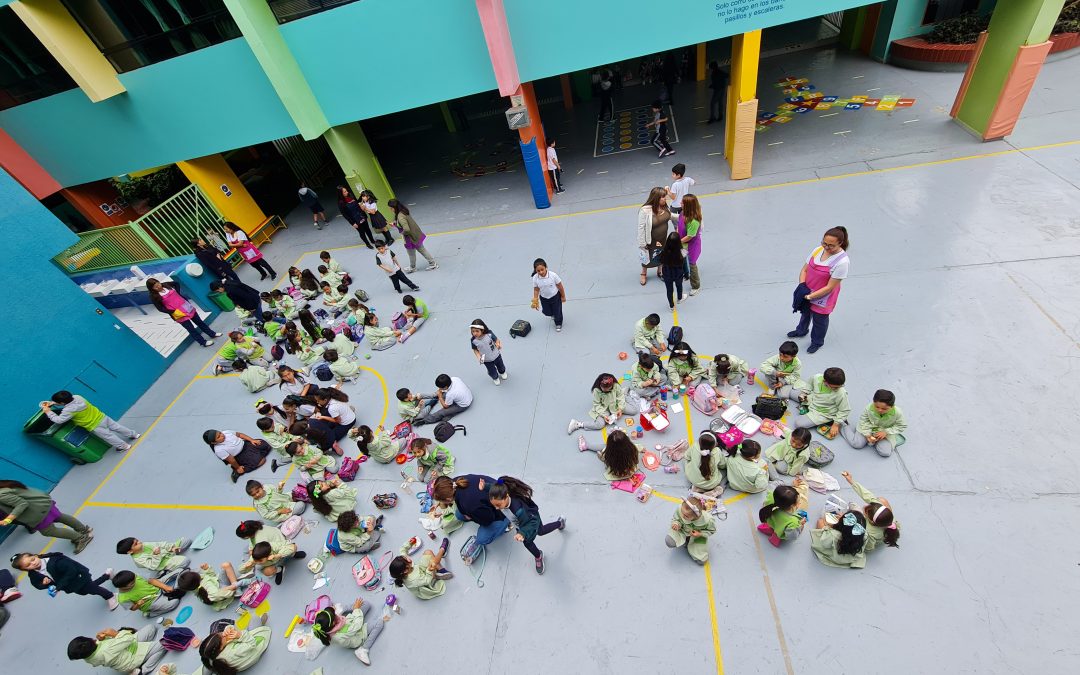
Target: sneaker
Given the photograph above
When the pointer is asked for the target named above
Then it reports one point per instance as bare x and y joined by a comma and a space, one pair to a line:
208, 343
504, 376
10, 594
682, 299
540, 564
813, 348
136, 437
416, 289
444, 545
670, 152
113, 603
123, 448
218, 370
558, 329
403, 337
433, 266
280, 575
796, 333
410, 270
670, 541
318, 226
300, 555
774, 540
497, 381
363, 655
662, 153
694, 291
574, 426
562, 523
444, 574
235, 476
81, 544
582, 445
217, 335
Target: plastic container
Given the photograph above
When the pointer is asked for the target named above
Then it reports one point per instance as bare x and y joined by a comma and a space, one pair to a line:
77, 443
221, 300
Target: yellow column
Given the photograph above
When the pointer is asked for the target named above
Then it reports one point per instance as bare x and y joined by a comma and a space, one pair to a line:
701, 62
742, 104
224, 189
65, 39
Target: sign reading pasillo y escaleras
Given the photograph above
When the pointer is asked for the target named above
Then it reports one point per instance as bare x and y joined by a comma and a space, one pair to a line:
740, 10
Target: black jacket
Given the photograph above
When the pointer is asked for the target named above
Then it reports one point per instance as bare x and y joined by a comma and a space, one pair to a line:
799, 303
66, 574
243, 295
210, 260
473, 502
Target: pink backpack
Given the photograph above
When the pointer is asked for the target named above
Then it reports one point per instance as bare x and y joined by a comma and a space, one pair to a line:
255, 594
300, 494
705, 399
398, 321
317, 605
348, 469
291, 526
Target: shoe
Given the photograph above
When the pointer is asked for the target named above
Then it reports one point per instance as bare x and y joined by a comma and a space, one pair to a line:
123, 448
300, 555
410, 270
765, 528
796, 333
416, 289
433, 266
318, 226
81, 544
682, 299
218, 370
363, 655
670, 541
208, 343
574, 426
9, 595
113, 603
662, 153
558, 329
694, 291
235, 476
497, 381
136, 437
444, 574
669, 153
504, 375
403, 337
217, 335
279, 576
370, 246
444, 545
774, 540
582, 445
109, 571
813, 348
540, 564
562, 523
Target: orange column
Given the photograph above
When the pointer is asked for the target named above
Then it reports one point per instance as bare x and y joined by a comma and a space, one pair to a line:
98, 202
535, 128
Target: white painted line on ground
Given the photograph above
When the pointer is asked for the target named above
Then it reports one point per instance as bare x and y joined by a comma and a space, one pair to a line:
713, 153
910, 121
462, 180
857, 77
579, 171
422, 187
874, 89
600, 172
830, 114
708, 136
411, 204
504, 188
456, 197
655, 163
837, 133
777, 143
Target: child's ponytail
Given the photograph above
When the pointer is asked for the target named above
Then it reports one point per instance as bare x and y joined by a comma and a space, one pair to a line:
508, 485
397, 570
707, 446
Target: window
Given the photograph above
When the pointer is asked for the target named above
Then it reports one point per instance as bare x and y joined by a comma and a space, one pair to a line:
291, 10
27, 70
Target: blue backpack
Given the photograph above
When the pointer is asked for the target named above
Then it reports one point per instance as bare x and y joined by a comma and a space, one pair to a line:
322, 372
332, 544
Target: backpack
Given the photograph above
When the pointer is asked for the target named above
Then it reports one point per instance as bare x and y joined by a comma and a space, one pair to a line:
705, 399
769, 407
291, 526
520, 328
255, 594
398, 320
277, 353
474, 555
369, 575
177, 638
402, 430
361, 295
819, 455
300, 494
348, 469
322, 372
385, 501
731, 438
220, 625
444, 431
321, 314
332, 544
315, 606
674, 337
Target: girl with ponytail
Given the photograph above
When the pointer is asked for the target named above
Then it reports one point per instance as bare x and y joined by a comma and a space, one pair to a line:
425, 578
513, 498
232, 651
881, 525
347, 628
704, 464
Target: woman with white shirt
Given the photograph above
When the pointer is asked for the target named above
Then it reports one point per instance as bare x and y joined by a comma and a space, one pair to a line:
242, 453
238, 239
548, 292
334, 409
824, 270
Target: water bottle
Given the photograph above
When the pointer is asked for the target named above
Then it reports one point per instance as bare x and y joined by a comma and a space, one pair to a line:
750, 376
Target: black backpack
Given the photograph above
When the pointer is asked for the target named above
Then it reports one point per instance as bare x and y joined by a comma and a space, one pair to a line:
322, 372
521, 328
674, 337
770, 407
444, 431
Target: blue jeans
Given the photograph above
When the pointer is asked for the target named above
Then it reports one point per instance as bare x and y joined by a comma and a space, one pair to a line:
821, 326
485, 534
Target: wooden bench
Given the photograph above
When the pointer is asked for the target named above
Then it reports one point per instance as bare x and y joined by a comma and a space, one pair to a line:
259, 236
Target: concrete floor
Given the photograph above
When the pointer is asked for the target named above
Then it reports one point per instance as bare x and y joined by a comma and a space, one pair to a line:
936, 245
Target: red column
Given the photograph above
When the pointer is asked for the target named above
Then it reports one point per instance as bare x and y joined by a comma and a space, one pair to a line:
97, 201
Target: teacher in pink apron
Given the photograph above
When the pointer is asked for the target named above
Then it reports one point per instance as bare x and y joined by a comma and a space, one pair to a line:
238, 239
168, 300
823, 273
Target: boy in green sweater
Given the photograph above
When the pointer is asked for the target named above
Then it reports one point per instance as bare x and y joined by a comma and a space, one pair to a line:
125, 650
162, 557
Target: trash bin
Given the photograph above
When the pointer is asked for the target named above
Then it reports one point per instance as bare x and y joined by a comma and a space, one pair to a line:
77, 443
221, 300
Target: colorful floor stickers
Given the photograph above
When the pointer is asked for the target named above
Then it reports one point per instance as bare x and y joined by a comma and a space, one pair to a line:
626, 131
802, 97
483, 157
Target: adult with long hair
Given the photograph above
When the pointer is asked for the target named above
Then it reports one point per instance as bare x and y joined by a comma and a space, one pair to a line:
231, 651
37, 512
690, 234
212, 260
168, 300
334, 409
412, 234
242, 453
238, 239
652, 227
820, 277
350, 210
548, 292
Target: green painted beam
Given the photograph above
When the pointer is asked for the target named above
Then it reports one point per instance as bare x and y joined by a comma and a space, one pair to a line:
353, 152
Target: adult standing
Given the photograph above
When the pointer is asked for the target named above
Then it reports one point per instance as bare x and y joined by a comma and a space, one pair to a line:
412, 234
310, 199
548, 292
212, 260
86, 415
238, 239
370, 205
718, 89
242, 453
821, 275
244, 296
652, 227
606, 106
168, 300
36, 511
690, 234
350, 210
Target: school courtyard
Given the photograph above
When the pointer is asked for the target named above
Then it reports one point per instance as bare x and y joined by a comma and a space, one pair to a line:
964, 299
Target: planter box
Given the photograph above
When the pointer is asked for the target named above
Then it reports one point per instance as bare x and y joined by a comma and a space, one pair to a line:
918, 54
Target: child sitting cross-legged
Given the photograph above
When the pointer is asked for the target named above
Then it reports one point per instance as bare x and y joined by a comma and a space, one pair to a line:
308, 458
356, 534
216, 590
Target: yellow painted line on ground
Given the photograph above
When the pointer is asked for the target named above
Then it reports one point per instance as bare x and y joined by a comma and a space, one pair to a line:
772, 598
712, 617
179, 507
385, 393
666, 498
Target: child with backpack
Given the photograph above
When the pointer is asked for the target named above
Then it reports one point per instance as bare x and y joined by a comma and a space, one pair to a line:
308, 459
704, 465
214, 589
882, 528
275, 434
426, 578
784, 513
880, 425
746, 470
272, 503
781, 372
826, 401
609, 403
254, 378
488, 350
331, 498
162, 557
356, 534
788, 457
284, 305
150, 596
344, 369
380, 337
268, 549
347, 628
431, 457
620, 456
691, 526
646, 378
687, 369
125, 650
414, 406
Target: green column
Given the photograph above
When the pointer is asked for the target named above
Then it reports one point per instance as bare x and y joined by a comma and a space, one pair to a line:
852, 27
1014, 24
260, 28
350, 147
447, 117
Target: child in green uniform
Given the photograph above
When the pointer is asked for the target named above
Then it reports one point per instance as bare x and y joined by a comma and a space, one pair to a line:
443, 508
412, 406
275, 434
273, 504
881, 526
704, 465
162, 557
826, 401
881, 425
416, 312
331, 498
149, 596
254, 378
334, 299
344, 369
339, 342
788, 457
332, 265
239, 346
232, 650
692, 526
380, 337
840, 541
268, 549
784, 513
307, 354
426, 579
377, 444
619, 455
347, 628
684, 361
284, 304
646, 378
727, 370
124, 650
608, 404
329, 276
356, 534
358, 312
429, 456
648, 338
309, 459
746, 470
216, 590
781, 373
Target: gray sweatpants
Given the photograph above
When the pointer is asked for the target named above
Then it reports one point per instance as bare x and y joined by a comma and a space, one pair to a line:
110, 431
600, 423
373, 628
440, 413
161, 605
76, 532
370, 544
156, 653
856, 440
770, 382
423, 252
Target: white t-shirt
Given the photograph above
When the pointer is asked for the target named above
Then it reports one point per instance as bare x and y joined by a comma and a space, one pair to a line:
547, 284
839, 270
680, 188
552, 157
387, 259
230, 447
235, 238
341, 410
458, 393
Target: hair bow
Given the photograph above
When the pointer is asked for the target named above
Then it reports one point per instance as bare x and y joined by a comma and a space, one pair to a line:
705, 453
316, 491
693, 507
851, 521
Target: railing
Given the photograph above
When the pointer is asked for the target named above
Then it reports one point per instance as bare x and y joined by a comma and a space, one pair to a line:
291, 10
109, 247
310, 161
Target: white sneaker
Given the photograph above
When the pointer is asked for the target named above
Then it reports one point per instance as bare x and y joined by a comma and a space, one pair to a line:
433, 266
497, 381
695, 291
574, 426
504, 375
362, 654
410, 270
108, 572
113, 604
136, 437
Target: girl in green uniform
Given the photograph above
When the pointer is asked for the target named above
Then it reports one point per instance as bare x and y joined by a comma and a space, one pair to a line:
347, 628
784, 513
309, 459
232, 650
727, 370
840, 540
356, 534
704, 465
687, 369
882, 528
380, 337
425, 579
443, 508
746, 470
691, 526
273, 504
377, 444
620, 456
433, 457
788, 457
123, 650
608, 403
331, 498
216, 590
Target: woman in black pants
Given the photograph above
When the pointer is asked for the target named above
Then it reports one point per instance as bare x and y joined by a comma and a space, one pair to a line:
67, 575
350, 209
514, 499
211, 259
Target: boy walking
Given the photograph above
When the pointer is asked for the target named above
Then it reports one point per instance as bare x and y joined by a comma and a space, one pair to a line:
310, 199
554, 168
659, 124
387, 262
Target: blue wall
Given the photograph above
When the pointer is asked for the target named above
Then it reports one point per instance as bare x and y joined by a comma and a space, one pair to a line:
54, 334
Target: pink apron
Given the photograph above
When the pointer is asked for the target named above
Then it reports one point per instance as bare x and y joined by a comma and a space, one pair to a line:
693, 247
247, 251
181, 309
817, 277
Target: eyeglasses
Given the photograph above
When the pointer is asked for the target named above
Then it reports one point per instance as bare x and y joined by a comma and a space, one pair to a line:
829, 246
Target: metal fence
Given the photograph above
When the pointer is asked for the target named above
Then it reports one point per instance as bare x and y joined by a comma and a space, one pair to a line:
109, 247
